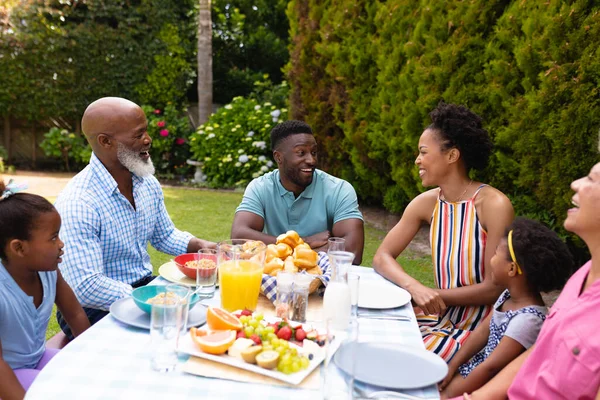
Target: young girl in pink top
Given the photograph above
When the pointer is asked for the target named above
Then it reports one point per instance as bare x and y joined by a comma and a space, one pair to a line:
30, 284
530, 258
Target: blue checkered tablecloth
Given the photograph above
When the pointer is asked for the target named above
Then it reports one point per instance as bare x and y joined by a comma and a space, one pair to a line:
112, 361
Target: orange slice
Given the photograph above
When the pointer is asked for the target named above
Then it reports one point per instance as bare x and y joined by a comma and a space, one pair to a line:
217, 342
219, 319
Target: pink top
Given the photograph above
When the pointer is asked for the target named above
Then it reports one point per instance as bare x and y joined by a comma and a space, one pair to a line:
565, 363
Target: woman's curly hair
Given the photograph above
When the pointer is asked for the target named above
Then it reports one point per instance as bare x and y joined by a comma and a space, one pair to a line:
544, 258
461, 128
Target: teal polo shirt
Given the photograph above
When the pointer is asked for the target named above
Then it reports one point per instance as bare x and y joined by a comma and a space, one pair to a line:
324, 202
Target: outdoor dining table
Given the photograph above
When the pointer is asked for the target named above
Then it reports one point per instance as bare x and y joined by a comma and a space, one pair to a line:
111, 360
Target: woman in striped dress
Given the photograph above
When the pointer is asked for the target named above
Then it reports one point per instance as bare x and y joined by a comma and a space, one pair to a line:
467, 220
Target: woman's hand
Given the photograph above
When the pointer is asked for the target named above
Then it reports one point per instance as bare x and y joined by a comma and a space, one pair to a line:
451, 372
429, 300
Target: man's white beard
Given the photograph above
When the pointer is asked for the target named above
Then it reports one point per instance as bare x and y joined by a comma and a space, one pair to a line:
132, 161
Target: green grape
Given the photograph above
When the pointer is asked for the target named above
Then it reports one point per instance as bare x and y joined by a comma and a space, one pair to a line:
287, 370
249, 331
270, 329
274, 341
259, 331
293, 351
296, 366
244, 319
286, 358
304, 362
271, 336
280, 367
267, 347
258, 316
253, 323
280, 349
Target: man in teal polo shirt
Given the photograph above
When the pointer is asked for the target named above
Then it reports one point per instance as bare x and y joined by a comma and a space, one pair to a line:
299, 197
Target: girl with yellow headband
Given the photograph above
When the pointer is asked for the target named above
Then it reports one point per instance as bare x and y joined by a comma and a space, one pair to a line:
529, 259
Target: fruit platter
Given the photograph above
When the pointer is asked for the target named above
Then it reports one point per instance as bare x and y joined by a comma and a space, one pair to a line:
270, 346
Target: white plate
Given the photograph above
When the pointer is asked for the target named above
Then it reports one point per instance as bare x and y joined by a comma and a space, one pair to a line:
124, 310
390, 365
381, 294
187, 346
170, 272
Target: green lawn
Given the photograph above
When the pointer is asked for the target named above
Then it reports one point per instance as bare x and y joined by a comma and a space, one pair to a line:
209, 214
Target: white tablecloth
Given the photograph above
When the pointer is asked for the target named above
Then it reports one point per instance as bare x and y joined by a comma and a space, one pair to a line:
112, 361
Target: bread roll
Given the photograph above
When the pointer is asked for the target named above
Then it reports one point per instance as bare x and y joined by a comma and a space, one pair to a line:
289, 265
291, 238
305, 258
272, 265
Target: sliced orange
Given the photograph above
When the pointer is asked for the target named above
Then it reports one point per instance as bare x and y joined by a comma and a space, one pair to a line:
217, 342
219, 319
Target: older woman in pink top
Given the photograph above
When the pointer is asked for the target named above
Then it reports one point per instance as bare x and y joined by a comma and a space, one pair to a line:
565, 361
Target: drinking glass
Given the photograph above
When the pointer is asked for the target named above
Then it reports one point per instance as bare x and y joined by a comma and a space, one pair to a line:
240, 263
335, 383
167, 320
353, 283
206, 277
336, 244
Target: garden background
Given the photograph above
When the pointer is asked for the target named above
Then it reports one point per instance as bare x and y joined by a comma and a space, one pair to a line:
364, 74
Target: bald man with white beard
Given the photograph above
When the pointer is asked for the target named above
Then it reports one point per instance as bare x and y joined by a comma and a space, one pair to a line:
112, 209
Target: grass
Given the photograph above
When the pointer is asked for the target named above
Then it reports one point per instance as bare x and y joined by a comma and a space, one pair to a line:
209, 214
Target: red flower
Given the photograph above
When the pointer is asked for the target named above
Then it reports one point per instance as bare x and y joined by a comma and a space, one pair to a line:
164, 133
179, 141
161, 124
156, 111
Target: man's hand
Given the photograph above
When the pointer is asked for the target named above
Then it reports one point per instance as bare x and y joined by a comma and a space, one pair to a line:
429, 300
196, 244
317, 240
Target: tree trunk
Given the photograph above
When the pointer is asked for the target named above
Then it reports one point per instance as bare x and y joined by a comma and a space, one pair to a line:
205, 74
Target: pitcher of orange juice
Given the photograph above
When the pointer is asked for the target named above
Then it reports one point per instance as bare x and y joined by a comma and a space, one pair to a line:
240, 263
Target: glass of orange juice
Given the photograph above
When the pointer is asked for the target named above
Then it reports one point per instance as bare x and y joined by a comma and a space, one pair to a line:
240, 263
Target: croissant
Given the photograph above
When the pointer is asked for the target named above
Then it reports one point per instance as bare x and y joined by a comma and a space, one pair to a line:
280, 250
291, 238
305, 258
289, 265
316, 270
276, 264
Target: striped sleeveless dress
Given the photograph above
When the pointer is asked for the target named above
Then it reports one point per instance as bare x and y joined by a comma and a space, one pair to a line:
457, 250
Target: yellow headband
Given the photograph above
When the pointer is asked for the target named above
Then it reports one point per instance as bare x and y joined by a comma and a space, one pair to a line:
512, 253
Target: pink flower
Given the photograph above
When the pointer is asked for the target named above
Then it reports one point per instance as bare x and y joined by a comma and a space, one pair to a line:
164, 133
161, 124
156, 111
179, 141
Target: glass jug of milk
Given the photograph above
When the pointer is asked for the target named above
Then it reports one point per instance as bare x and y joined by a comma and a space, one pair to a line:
336, 300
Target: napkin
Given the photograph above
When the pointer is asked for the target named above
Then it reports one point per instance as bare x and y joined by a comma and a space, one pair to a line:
213, 369
269, 283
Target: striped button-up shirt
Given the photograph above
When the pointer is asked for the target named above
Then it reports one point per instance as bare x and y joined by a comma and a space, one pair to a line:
106, 238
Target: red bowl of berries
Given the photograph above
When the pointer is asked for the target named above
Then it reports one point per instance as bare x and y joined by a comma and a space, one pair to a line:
205, 263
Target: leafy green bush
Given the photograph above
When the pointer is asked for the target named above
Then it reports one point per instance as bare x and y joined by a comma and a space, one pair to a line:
72, 149
170, 130
234, 144
366, 74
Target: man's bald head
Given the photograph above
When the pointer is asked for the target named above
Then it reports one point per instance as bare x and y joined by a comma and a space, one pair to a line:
104, 116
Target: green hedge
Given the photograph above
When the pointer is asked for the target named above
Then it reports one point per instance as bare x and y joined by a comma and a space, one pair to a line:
365, 74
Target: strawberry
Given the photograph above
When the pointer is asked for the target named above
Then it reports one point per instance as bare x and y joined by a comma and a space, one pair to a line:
241, 334
247, 312
300, 334
285, 333
256, 339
